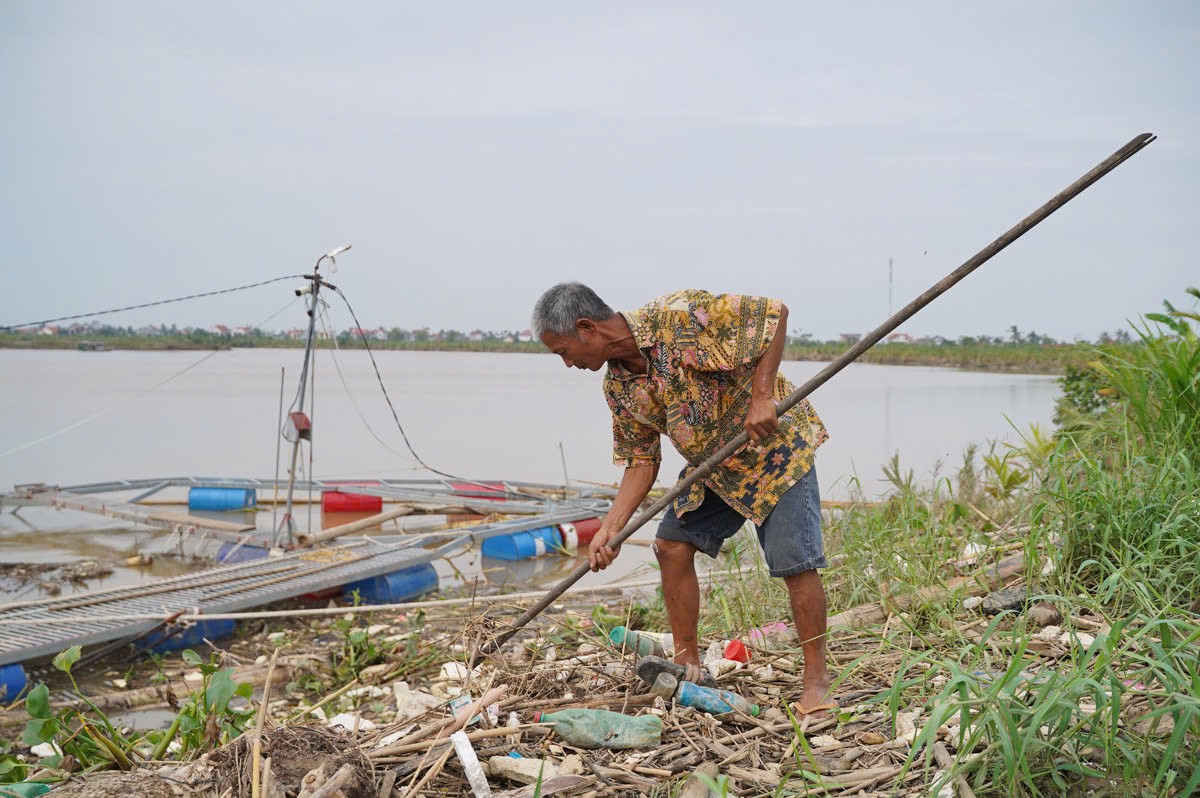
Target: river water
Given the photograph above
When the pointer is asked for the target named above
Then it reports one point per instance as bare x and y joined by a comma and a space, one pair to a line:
70, 417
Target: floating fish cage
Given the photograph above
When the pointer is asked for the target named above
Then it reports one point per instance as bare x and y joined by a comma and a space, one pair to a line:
367, 560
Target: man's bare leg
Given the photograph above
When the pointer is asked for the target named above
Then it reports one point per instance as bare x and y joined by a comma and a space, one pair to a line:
807, 596
681, 595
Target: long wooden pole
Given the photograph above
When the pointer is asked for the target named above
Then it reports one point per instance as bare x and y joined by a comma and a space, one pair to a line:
334, 532
853, 353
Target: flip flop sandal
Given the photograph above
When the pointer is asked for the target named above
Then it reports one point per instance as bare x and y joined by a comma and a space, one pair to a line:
648, 669
807, 713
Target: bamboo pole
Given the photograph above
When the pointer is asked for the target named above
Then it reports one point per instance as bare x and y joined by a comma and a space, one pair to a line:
256, 756
824, 375
976, 583
333, 532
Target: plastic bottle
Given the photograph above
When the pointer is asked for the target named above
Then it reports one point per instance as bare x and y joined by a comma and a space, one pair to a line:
470, 762
599, 728
705, 699
629, 640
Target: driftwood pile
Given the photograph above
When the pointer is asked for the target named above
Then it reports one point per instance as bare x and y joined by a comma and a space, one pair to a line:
380, 736
413, 755
387, 732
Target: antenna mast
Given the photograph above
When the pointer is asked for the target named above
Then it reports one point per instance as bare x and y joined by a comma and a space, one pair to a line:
298, 427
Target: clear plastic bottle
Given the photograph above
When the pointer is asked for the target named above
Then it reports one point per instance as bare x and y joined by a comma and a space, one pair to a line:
629, 640
599, 728
705, 699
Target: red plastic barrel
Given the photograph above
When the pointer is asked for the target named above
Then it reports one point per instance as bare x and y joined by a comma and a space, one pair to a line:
481, 490
585, 530
337, 501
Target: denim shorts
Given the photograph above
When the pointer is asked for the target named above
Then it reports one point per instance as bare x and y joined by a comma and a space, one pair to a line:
790, 536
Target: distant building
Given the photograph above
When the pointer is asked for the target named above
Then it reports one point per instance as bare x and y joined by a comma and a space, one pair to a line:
239, 331
50, 329
379, 334
851, 338
525, 336
219, 329
475, 335
894, 338
296, 335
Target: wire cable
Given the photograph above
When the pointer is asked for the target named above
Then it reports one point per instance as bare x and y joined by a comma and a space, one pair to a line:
387, 397
327, 326
507, 491
44, 322
104, 411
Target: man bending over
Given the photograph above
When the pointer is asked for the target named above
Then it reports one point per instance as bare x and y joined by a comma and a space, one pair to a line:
698, 368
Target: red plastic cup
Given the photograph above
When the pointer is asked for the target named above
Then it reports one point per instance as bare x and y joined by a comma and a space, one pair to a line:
736, 650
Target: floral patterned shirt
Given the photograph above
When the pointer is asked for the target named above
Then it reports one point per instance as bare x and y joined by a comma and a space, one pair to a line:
701, 350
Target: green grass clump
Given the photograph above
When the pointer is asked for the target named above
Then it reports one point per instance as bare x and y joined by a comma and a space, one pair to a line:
1107, 513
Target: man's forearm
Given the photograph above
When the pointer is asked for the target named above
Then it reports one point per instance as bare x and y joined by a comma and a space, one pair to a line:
767, 367
635, 484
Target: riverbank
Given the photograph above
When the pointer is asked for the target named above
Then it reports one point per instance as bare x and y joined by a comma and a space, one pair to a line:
1013, 358
1079, 677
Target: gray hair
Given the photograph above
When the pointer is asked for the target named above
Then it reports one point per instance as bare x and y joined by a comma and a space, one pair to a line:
563, 305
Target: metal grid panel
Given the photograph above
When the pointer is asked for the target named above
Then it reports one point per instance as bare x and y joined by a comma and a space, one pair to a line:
87, 624
215, 590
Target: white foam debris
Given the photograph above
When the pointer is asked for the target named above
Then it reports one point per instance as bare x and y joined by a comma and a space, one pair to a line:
350, 722
1049, 633
906, 725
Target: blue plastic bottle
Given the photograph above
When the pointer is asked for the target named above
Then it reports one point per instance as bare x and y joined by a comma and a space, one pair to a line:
705, 699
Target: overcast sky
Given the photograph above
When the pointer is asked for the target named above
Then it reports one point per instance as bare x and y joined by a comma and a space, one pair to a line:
476, 153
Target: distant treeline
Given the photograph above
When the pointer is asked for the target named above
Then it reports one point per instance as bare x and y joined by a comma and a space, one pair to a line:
1023, 358
992, 355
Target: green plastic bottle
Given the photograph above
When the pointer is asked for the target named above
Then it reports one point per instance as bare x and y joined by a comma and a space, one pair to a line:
599, 728
642, 645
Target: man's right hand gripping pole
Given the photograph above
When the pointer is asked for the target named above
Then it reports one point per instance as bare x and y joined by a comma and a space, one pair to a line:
635, 485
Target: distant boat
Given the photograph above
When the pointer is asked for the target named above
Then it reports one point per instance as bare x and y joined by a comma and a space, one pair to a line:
92, 346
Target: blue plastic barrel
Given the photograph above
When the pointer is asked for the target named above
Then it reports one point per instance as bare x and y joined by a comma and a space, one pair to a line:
220, 499
403, 585
522, 545
191, 637
12, 681
233, 552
